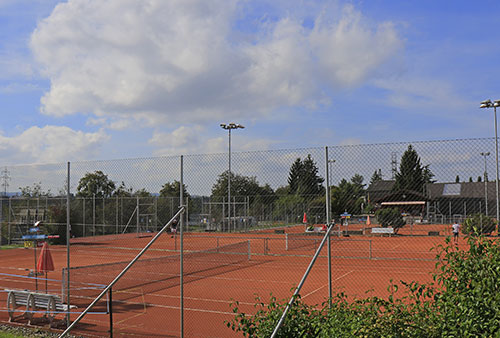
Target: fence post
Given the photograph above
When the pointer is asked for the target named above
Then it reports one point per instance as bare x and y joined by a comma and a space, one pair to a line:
137, 216
181, 197
68, 235
110, 309
329, 244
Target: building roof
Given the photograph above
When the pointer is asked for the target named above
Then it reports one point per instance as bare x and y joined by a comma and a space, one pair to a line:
383, 185
460, 190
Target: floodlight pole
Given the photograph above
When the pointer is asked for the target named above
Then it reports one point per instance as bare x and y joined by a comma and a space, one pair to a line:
229, 127
494, 105
485, 182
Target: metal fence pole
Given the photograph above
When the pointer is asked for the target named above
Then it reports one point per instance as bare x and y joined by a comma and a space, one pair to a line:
8, 220
181, 197
110, 308
93, 215
329, 244
84, 217
68, 234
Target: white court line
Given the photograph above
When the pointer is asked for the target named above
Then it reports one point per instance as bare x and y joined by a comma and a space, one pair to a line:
397, 246
321, 287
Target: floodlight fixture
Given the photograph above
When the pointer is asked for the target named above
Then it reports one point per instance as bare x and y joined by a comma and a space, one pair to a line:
231, 125
485, 104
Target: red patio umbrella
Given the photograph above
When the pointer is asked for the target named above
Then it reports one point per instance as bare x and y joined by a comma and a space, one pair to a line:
45, 262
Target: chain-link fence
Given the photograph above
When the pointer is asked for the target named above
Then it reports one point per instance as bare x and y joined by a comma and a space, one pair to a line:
276, 201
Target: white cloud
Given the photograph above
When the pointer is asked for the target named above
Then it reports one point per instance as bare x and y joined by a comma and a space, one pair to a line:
425, 93
350, 51
350, 141
181, 62
50, 144
186, 140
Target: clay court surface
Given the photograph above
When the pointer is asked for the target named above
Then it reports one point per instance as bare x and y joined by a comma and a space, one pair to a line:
146, 308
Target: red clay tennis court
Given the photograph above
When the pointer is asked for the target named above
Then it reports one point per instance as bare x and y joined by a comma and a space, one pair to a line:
147, 304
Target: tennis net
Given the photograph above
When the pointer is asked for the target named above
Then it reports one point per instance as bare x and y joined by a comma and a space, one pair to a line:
303, 240
149, 275
341, 247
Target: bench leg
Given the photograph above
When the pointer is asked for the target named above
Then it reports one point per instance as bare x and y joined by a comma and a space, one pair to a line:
51, 310
30, 307
11, 305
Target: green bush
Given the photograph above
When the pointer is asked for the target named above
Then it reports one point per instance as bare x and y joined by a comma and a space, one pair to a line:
478, 224
462, 301
390, 217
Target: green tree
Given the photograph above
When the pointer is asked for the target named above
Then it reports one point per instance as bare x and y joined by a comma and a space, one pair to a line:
173, 189
390, 217
310, 183
240, 185
244, 187
34, 190
142, 193
412, 175
478, 224
303, 179
294, 176
348, 196
376, 177
96, 183
123, 191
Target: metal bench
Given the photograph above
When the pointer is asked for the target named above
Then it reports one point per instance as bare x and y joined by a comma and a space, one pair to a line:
383, 231
34, 301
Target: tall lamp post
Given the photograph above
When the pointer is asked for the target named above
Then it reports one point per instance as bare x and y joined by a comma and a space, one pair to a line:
229, 127
494, 105
485, 182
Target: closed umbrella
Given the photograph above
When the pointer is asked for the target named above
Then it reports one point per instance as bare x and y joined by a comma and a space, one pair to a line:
45, 262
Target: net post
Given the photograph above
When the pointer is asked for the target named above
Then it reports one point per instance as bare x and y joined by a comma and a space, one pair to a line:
286, 242
249, 252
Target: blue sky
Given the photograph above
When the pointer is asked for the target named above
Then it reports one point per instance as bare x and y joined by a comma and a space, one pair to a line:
82, 80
